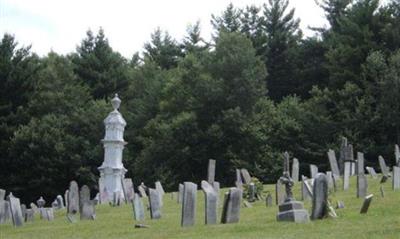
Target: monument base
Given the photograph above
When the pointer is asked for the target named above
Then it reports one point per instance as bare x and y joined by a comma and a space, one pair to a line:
292, 211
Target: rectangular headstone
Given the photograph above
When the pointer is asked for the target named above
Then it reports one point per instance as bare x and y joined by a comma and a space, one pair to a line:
16, 213
138, 208
366, 203
161, 192
246, 176
189, 204
333, 162
239, 182
382, 165
371, 171
280, 194
30, 215
129, 192
4, 211
396, 178
362, 186
231, 208
331, 185
180, 193
48, 214
2, 194
313, 170
65, 198
211, 171
154, 201
360, 164
346, 177
397, 155
211, 202
295, 170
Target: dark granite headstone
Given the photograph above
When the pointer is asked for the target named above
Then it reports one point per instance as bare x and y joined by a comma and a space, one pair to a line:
366, 203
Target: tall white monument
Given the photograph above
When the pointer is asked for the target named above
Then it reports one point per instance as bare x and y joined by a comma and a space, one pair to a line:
112, 171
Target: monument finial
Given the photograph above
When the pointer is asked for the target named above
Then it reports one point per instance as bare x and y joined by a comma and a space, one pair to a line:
116, 102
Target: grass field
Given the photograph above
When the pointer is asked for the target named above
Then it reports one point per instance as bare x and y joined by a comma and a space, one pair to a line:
382, 221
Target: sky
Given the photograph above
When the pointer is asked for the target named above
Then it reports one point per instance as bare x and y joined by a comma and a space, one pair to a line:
60, 25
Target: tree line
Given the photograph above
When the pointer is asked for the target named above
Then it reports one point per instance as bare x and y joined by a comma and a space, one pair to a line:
258, 88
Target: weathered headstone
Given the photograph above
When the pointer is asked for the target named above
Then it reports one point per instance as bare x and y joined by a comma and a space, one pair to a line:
180, 193
138, 208
66, 198
295, 170
360, 164
396, 178
246, 176
382, 165
329, 176
342, 157
320, 197
211, 199
231, 208
397, 155
346, 176
84, 197
60, 202
252, 192
362, 186
29, 215
129, 192
189, 204
73, 198
142, 191
371, 171
366, 203
239, 182
5, 212
306, 188
333, 162
154, 201
211, 171
2, 194
161, 192
47, 213
313, 170
16, 213
41, 202
268, 200
280, 194
23, 210
88, 210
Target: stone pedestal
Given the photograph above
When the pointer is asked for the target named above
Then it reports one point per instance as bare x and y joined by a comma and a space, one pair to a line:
292, 211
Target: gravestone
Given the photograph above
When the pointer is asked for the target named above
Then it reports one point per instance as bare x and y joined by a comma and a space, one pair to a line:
73, 198
397, 155
246, 176
295, 170
239, 182
105, 195
280, 194
216, 186
371, 171
180, 193
329, 176
29, 215
138, 208
5, 212
347, 173
340, 205
127, 186
41, 202
320, 197
54, 204
382, 165
84, 197
154, 201
396, 178
88, 210
48, 213
142, 191
252, 192
66, 198
34, 207
211, 199
189, 204
366, 203
333, 162
362, 186
23, 210
268, 200
231, 207
360, 163
342, 156
161, 192
211, 171
16, 213
313, 170
2, 194
60, 202
306, 188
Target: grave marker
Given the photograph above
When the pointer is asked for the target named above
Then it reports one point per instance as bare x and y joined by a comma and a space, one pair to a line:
313, 170
154, 201
138, 208
396, 178
333, 162
320, 197
189, 204
295, 170
73, 198
382, 165
16, 213
246, 176
362, 186
366, 203
211, 171
127, 186
231, 208
346, 177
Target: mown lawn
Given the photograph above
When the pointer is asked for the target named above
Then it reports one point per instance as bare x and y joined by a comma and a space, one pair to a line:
382, 221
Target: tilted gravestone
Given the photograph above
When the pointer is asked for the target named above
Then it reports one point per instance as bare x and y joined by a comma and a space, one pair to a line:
333, 162
306, 188
16, 213
371, 171
127, 187
211, 171
280, 193
138, 209
396, 178
239, 182
366, 203
73, 198
180, 193
246, 176
320, 197
346, 176
313, 170
231, 208
362, 186
295, 170
382, 165
211, 199
189, 204
154, 201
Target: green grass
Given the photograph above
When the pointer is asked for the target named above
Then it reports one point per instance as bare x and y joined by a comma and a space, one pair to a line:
382, 221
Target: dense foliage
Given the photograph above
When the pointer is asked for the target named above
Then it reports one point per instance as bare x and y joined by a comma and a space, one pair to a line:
258, 88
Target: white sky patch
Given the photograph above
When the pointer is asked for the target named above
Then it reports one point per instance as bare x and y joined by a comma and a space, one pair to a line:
61, 25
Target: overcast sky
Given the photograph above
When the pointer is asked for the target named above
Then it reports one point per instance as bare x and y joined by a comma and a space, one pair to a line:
60, 25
